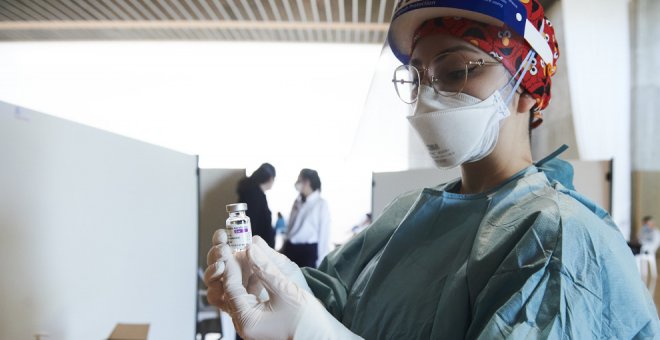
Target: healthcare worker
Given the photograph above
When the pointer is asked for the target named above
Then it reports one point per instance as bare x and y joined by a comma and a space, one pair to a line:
509, 250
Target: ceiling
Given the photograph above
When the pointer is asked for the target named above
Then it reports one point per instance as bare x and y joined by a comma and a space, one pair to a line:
356, 21
346, 21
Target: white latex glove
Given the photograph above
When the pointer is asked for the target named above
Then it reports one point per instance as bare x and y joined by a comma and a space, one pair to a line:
289, 268
215, 293
291, 312
220, 251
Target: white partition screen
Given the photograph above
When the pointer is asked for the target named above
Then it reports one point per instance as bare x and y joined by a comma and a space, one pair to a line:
95, 229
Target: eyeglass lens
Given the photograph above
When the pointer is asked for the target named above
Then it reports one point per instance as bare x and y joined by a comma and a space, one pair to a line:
447, 74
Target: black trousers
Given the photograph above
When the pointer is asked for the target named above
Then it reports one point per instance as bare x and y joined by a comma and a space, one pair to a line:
303, 254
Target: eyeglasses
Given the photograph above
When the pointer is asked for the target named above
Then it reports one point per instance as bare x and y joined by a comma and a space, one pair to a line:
449, 74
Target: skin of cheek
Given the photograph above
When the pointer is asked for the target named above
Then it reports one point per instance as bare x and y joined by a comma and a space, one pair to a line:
513, 106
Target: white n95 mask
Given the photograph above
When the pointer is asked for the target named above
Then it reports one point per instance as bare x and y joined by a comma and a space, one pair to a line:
458, 129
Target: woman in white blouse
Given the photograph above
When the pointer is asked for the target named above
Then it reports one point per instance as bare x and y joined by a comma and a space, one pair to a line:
307, 238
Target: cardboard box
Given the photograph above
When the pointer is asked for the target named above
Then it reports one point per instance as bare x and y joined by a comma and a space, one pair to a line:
130, 331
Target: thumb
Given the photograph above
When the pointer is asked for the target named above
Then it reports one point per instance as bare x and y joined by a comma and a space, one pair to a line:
258, 241
276, 283
277, 258
233, 276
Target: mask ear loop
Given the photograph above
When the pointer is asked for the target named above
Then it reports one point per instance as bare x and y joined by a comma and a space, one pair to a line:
523, 71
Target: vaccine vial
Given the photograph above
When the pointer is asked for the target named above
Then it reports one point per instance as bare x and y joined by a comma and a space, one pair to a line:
239, 230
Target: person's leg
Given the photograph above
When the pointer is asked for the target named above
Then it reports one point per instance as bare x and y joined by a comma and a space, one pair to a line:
308, 254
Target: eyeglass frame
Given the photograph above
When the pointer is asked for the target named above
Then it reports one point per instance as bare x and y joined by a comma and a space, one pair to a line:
479, 63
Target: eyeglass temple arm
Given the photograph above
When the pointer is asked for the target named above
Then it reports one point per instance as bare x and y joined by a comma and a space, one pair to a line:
482, 62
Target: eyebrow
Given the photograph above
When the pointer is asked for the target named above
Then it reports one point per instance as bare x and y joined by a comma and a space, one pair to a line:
469, 48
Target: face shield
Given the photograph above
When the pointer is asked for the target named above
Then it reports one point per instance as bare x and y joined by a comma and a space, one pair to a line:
435, 110
381, 140
423, 88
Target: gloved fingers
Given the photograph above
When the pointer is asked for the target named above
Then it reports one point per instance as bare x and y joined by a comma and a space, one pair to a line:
246, 271
258, 241
265, 248
216, 292
213, 273
277, 284
216, 297
220, 236
218, 253
256, 288
236, 296
288, 268
238, 302
279, 259
233, 272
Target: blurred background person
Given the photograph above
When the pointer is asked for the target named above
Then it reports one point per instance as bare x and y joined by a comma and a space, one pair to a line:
280, 231
308, 234
646, 259
252, 190
280, 224
648, 234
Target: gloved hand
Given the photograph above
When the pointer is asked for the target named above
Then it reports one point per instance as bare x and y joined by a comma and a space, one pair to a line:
290, 312
220, 251
213, 274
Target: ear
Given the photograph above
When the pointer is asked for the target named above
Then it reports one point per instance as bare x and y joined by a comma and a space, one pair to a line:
525, 103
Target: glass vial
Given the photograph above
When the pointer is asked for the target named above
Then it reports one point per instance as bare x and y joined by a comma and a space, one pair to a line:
239, 229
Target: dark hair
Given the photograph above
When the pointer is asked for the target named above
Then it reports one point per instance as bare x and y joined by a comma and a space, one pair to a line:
263, 174
313, 177
646, 219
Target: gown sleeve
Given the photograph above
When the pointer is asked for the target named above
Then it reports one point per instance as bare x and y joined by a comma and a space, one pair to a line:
332, 281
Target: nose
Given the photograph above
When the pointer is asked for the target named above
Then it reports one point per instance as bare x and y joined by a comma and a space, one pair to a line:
424, 78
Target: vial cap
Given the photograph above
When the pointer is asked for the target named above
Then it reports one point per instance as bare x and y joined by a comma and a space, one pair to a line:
236, 207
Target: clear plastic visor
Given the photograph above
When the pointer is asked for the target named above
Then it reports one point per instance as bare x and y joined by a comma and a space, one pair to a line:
384, 140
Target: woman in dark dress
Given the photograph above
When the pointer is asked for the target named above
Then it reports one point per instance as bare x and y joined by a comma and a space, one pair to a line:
251, 190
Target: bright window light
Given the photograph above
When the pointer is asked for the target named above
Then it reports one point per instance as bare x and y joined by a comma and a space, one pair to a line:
235, 105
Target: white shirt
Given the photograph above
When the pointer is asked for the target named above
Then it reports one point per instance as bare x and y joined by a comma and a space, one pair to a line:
309, 222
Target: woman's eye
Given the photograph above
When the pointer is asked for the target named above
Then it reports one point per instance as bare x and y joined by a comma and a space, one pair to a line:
472, 68
458, 74
472, 71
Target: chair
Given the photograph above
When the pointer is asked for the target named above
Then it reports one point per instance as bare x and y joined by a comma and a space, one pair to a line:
646, 259
208, 316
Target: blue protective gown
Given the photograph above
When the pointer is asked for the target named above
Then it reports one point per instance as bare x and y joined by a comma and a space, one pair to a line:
528, 259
